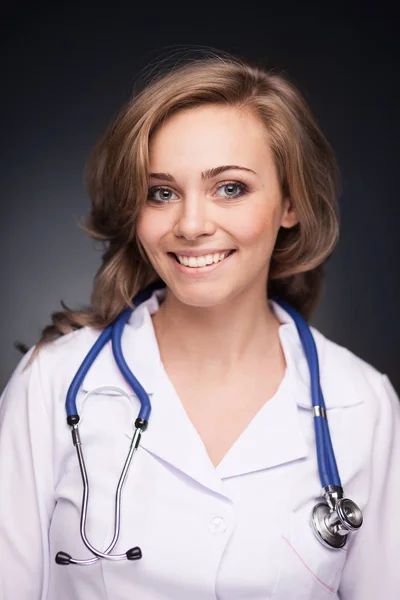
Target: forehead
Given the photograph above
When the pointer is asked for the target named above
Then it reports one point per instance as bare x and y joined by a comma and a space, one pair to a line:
208, 136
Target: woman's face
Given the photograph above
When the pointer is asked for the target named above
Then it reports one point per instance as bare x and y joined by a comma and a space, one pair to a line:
214, 206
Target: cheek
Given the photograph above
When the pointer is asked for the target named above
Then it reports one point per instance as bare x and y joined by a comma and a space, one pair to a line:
150, 229
257, 225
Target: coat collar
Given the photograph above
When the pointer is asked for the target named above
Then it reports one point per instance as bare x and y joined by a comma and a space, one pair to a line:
273, 437
143, 357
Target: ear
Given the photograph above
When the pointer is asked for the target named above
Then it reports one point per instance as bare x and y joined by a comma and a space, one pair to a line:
289, 217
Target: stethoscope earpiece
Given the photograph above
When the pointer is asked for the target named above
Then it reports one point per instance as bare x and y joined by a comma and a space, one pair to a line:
62, 558
134, 553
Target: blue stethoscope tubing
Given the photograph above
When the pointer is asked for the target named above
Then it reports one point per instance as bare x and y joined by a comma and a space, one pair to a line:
114, 333
331, 519
327, 466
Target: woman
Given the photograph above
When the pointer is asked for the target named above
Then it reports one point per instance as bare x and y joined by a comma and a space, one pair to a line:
215, 180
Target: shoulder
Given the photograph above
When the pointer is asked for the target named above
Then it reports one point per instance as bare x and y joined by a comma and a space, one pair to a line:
53, 365
349, 380
69, 346
346, 379
66, 350
336, 358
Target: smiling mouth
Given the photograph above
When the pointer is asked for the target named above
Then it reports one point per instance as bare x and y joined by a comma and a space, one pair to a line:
205, 260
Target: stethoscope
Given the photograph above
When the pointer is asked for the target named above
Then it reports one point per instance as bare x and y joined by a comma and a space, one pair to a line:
332, 518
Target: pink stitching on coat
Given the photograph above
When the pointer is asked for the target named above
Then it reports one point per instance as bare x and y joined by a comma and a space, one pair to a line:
307, 567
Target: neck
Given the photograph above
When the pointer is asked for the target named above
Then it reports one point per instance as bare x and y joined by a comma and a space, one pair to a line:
216, 339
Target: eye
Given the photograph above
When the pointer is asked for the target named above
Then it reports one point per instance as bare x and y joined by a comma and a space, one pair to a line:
233, 189
161, 195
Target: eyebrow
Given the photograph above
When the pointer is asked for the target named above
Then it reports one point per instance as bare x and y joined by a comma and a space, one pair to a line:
208, 174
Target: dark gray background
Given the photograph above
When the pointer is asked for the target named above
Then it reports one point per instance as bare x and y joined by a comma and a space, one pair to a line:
66, 70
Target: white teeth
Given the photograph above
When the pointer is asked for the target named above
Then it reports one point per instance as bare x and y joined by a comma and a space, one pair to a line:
201, 261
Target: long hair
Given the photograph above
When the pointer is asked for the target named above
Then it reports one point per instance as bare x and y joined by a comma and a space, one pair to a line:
117, 183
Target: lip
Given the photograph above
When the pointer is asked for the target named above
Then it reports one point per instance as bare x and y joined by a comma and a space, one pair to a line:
198, 272
201, 251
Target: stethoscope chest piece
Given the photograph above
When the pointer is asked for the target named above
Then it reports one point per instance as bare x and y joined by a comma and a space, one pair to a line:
332, 526
326, 536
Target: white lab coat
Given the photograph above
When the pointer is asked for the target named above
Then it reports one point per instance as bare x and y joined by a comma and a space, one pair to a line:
238, 531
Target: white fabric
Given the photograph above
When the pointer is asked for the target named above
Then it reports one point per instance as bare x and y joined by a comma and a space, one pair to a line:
238, 531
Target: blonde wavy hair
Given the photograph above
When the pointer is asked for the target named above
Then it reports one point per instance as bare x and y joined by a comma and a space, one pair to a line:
116, 179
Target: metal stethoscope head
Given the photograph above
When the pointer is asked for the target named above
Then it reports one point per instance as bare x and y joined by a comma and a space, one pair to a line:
334, 517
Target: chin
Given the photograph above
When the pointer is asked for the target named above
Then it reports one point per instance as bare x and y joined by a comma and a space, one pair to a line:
203, 296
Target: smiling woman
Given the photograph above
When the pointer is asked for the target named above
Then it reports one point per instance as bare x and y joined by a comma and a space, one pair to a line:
225, 91
228, 215
215, 194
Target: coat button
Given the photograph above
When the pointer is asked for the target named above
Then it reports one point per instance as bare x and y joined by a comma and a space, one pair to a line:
217, 525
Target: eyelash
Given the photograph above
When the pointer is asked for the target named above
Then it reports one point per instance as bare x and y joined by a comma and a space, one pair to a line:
242, 187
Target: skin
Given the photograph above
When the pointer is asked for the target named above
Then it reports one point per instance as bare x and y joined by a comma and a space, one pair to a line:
216, 330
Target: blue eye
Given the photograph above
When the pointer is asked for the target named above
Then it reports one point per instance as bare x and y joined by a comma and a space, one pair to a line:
164, 195
233, 189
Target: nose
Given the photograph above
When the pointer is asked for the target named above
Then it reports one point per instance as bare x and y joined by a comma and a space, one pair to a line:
194, 218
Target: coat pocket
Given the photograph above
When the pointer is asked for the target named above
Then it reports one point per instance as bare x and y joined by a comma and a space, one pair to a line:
309, 570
